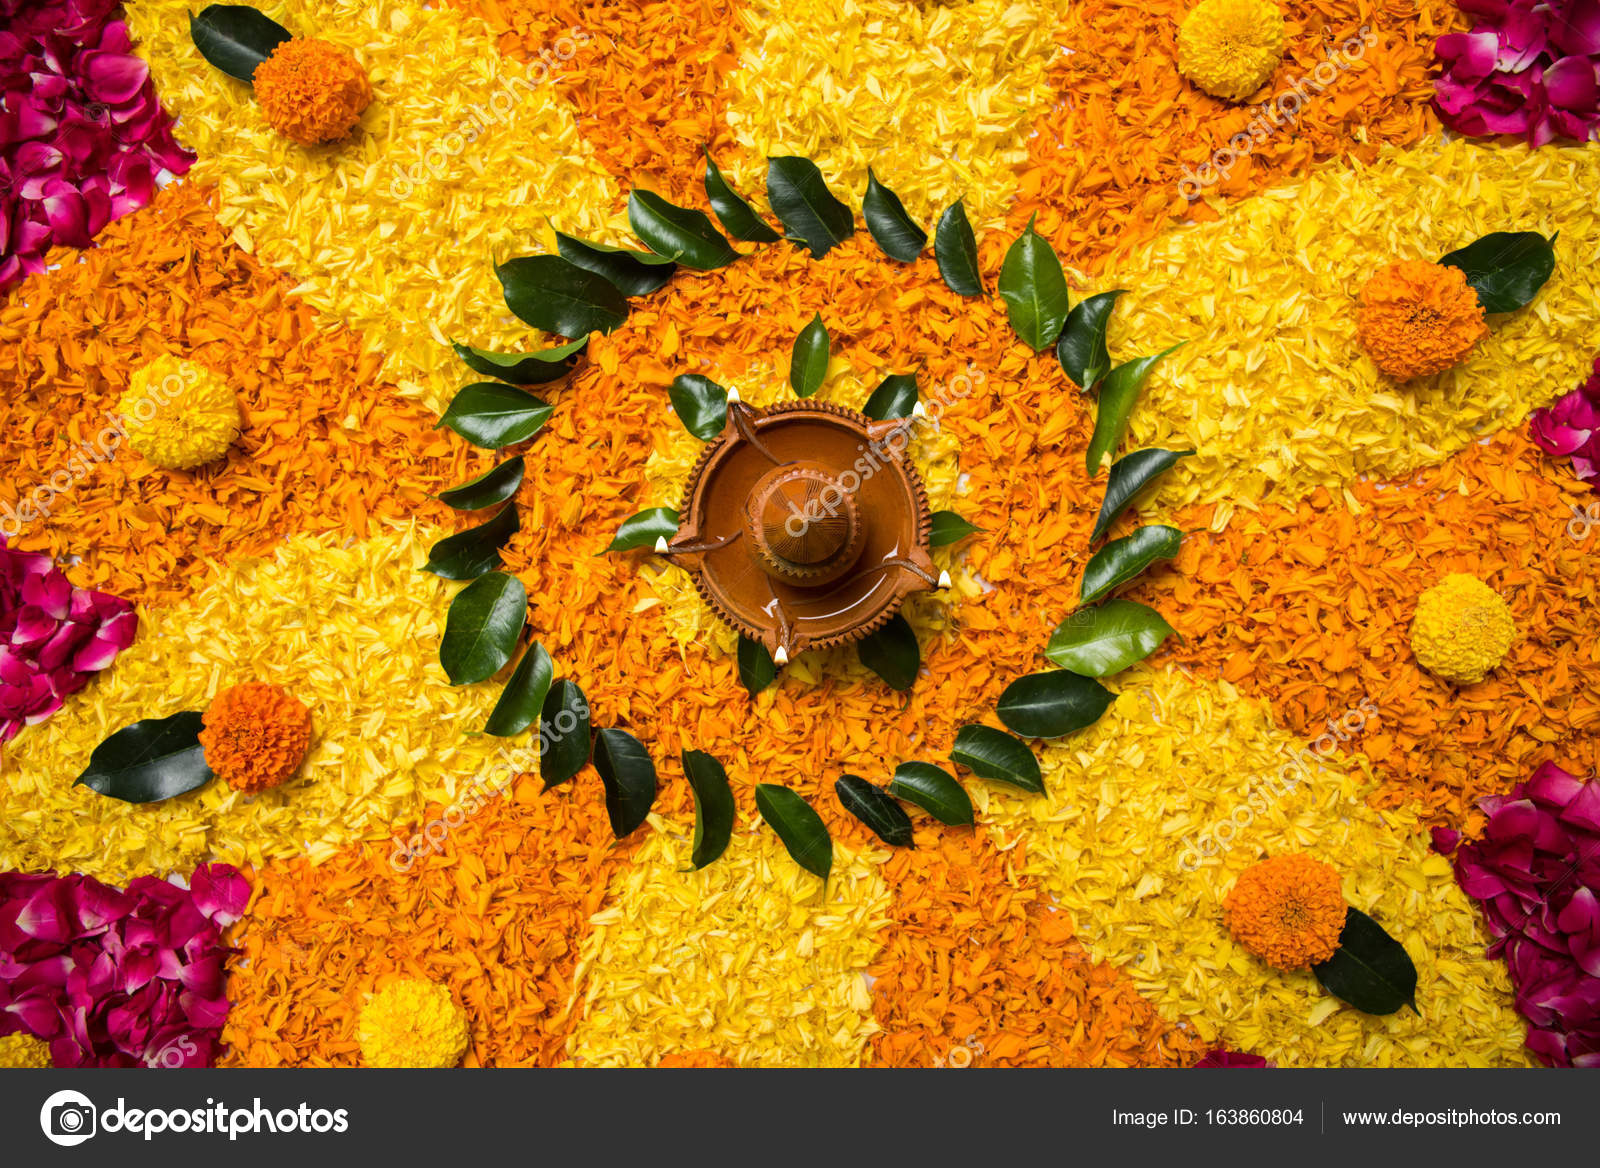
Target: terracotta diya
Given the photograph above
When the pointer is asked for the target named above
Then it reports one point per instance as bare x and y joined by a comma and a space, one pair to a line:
805, 526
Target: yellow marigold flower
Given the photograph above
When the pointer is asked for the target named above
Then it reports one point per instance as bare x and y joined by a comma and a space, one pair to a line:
1419, 318
1287, 910
1462, 630
312, 91
179, 415
413, 1023
256, 735
24, 1050
1230, 48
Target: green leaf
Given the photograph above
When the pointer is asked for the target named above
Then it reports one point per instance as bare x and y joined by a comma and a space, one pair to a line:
1082, 347
895, 397
1123, 559
150, 760
492, 415
1371, 970
956, 249
633, 273
629, 777
1506, 268
808, 363
994, 754
556, 295
738, 216
1035, 289
495, 485
948, 527
1117, 395
876, 809
801, 200
1053, 703
757, 670
643, 529
1129, 475
701, 405
563, 733
236, 38
933, 789
480, 634
523, 368
678, 233
523, 697
799, 827
899, 237
713, 806
468, 554
1100, 641
892, 653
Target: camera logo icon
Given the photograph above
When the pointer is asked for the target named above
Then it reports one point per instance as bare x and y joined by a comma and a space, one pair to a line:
68, 1118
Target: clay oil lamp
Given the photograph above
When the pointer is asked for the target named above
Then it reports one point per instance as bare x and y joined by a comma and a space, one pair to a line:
805, 525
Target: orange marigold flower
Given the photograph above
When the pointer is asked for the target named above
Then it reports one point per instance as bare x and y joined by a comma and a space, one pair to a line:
1419, 318
256, 735
312, 91
1288, 911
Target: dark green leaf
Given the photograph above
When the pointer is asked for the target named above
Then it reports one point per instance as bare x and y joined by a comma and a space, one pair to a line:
236, 38
892, 653
678, 233
523, 697
895, 397
1108, 638
713, 806
1123, 559
956, 249
899, 237
1371, 970
1129, 475
994, 754
523, 368
480, 634
150, 760
757, 670
633, 273
492, 415
1082, 347
948, 527
808, 363
933, 789
1035, 289
799, 827
1506, 268
643, 529
468, 554
737, 215
1117, 395
556, 295
801, 200
701, 405
563, 733
1053, 703
495, 485
629, 777
876, 809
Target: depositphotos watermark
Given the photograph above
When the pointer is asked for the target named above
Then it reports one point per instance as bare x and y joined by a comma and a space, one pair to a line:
85, 456
433, 161
871, 458
69, 1118
1278, 115
1582, 520
1266, 789
492, 783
